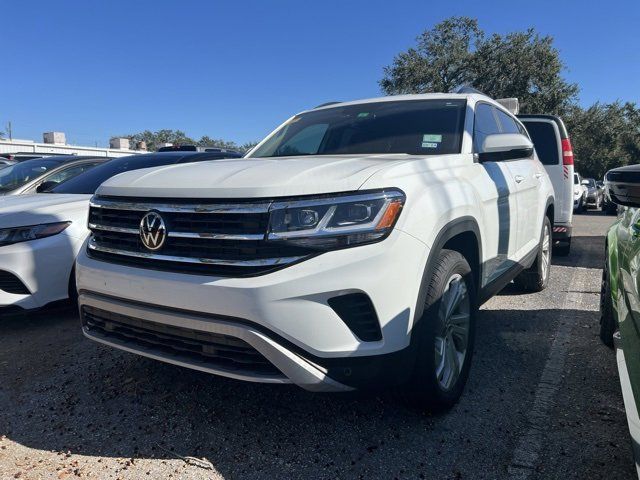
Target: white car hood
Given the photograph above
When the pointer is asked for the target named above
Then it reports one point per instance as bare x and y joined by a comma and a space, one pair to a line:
21, 210
251, 177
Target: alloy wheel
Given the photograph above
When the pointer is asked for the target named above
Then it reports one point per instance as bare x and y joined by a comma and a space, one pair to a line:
546, 252
452, 341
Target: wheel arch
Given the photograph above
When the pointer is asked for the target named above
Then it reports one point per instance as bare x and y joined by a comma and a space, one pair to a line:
461, 235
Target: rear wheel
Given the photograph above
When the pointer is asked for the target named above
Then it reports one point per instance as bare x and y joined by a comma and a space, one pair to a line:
446, 336
536, 277
608, 324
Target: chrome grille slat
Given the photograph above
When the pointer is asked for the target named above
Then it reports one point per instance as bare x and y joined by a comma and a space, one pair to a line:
202, 261
221, 208
202, 237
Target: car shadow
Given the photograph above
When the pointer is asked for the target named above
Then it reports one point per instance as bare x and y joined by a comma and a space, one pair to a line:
60, 392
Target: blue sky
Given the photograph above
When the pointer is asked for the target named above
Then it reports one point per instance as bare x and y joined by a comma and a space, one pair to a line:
236, 69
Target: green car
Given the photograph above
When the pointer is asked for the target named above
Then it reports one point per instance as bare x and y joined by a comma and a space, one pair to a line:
620, 292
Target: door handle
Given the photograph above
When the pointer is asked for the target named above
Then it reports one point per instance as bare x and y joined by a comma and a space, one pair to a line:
519, 178
538, 175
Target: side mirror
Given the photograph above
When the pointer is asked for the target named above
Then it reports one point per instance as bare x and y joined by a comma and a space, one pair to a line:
46, 186
505, 146
623, 185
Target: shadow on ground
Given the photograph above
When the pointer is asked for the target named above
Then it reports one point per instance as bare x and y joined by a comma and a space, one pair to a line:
61, 392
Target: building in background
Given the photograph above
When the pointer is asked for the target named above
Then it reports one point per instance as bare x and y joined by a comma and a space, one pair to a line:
54, 143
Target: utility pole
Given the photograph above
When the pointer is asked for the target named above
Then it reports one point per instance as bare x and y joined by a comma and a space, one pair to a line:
9, 131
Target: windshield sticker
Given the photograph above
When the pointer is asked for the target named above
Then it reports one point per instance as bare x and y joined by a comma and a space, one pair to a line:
363, 114
429, 145
432, 138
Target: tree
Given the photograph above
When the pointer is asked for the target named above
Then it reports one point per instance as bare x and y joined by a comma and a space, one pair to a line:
440, 61
456, 52
178, 137
155, 139
604, 136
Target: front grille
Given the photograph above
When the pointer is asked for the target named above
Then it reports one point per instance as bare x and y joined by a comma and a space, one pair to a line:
213, 350
215, 238
12, 284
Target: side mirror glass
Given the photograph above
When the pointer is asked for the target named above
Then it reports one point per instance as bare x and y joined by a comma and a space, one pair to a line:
623, 185
505, 146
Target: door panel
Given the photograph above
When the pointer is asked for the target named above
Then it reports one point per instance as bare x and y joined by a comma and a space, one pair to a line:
527, 184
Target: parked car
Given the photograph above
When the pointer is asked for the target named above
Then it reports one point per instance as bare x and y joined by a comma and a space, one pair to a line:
553, 147
40, 174
5, 162
579, 193
40, 235
350, 248
619, 298
594, 193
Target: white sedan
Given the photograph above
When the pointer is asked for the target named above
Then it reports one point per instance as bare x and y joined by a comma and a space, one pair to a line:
41, 234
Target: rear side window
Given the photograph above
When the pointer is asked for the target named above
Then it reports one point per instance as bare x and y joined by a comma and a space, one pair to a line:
508, 124
543, 136
485, 124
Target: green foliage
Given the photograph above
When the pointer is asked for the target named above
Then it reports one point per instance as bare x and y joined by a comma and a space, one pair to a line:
177, 137
523, 65
604, 136
456, 52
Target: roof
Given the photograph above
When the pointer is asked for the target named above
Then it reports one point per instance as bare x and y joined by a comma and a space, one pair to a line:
179, 156
419, 96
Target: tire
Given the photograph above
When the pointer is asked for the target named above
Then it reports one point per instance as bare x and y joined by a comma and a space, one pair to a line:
536, 277
608, 324
446, 336
579, 208
563, 249
73, 290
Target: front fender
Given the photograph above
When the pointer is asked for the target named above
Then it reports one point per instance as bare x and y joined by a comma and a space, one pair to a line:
612, 265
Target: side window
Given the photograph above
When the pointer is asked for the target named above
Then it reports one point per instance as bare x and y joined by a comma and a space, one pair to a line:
68, 173
485, 124
508, 124
307, 141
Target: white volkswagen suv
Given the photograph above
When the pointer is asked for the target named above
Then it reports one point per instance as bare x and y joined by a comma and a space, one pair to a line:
349, 249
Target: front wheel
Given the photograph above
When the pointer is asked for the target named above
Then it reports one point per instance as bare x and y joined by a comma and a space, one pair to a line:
446, 333
536, 277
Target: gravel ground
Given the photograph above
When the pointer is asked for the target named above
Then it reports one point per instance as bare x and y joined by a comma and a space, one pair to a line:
543, 401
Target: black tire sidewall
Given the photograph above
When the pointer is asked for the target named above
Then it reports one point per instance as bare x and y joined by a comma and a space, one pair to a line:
423, 386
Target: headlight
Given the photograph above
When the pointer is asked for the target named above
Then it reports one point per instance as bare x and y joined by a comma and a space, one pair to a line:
336, 222
31, 232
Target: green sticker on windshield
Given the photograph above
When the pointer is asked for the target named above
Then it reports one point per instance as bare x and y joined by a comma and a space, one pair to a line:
363, 114
432, 138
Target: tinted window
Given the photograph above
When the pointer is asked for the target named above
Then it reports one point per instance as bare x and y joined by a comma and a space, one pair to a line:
70, 172
543, 136
417, 127
17, 175
485, 124
508, 124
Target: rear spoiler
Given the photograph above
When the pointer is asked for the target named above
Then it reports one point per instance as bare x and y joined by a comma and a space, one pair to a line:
510, 104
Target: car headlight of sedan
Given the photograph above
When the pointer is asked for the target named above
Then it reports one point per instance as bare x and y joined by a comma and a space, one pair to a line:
30, 232
336, 222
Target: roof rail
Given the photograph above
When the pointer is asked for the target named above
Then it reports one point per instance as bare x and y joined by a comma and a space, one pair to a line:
468, 89
325, 104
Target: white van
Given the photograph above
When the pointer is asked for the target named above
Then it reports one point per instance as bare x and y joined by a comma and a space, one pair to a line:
552, 144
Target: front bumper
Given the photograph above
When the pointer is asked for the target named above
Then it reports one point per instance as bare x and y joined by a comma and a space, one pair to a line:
284, 315
43, 267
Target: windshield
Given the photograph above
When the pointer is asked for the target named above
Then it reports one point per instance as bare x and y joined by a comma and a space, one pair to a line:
88, 182
414, 127
19, 174
591, 183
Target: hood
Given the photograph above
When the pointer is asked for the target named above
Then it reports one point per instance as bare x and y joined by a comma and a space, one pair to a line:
20, 210
251, 177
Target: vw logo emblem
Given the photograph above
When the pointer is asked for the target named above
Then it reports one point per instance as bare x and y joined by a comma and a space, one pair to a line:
153, 231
